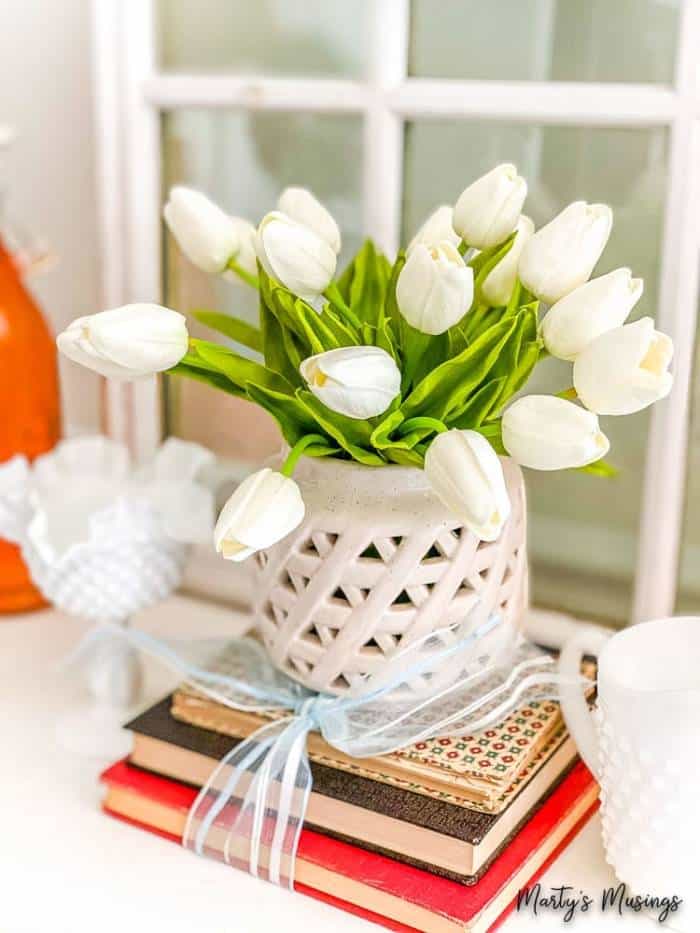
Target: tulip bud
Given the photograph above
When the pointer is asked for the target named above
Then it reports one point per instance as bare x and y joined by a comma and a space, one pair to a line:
466, 475
562, 254
265, 508
625, 369
302, 206
499, 283
126, 343
588, 311
544, 432
205, 234
359, 382
487, 212
436, 229
435, 288
295, 255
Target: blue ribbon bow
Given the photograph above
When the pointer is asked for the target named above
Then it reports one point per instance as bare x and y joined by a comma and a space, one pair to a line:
251, 810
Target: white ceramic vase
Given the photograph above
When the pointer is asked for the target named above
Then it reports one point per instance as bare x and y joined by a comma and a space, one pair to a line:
377, 563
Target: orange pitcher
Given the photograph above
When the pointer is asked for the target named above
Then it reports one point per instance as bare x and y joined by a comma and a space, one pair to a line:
29, 405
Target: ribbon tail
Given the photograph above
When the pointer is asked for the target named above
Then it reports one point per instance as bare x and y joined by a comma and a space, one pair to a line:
251, 811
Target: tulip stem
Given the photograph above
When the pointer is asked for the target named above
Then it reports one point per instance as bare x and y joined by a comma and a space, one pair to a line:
299, 448
249, 279
422, 422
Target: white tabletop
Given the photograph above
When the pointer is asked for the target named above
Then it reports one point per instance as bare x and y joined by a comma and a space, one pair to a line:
67, 868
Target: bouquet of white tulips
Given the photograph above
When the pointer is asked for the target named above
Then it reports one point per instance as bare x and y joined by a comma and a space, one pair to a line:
412, 362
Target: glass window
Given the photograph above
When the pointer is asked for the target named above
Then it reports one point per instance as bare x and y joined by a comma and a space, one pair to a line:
688, 599
243, 161
583, 529
317, 37
545, 40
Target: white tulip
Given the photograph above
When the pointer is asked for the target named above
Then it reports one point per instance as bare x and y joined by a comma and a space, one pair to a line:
466, 474
499, 283
295, 255
302, 206
435, 288
563, 253
131, 342
487, 212
436, 229
205, 234
359, 382
588, 311
625, 369
265, 508
544, 432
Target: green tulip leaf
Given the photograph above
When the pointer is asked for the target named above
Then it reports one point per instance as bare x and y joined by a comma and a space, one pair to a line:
599, 468
293, 418
409, 458
485, 261
239, 369
478, 406
492, 433
213, 379
353, 435
370, 277
281, 348
449, 385
231, 327
380, 436
391, 312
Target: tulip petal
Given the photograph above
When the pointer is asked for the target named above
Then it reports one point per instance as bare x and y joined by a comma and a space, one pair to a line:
466, 474
625, 369
544, 432
359, 382
487, 212
204, 233
144, 337
295, 255
436, 229
562, 254
72, 344
265, 508
591, 309
302, 206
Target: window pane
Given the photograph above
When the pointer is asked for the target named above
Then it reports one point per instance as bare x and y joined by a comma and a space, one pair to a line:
689, 582
583, 529
539, 40
318, 37
243, 161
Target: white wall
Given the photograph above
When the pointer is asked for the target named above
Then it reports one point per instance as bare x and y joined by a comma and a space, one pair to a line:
45, 93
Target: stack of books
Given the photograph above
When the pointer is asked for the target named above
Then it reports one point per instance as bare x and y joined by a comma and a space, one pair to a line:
438, 837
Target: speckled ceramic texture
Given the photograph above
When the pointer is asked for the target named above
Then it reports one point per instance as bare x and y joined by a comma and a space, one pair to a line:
377, 563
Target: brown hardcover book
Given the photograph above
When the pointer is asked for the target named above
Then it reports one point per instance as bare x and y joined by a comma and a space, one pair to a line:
453, 840
482, 772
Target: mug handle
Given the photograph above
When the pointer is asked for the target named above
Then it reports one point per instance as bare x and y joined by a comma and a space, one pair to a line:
574, 707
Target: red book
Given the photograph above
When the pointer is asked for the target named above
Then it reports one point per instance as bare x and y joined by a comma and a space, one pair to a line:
396, 895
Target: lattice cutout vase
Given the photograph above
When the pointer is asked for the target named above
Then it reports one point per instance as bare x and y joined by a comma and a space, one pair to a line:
377, 563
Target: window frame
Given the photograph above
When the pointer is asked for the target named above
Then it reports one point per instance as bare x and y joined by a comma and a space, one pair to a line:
131, 93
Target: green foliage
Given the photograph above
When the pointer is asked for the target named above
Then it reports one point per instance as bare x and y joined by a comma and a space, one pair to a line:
460, 379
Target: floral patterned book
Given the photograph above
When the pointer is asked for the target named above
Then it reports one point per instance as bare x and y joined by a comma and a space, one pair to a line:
483, 772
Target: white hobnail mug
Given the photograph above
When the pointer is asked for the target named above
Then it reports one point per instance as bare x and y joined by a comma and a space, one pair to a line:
642, 742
